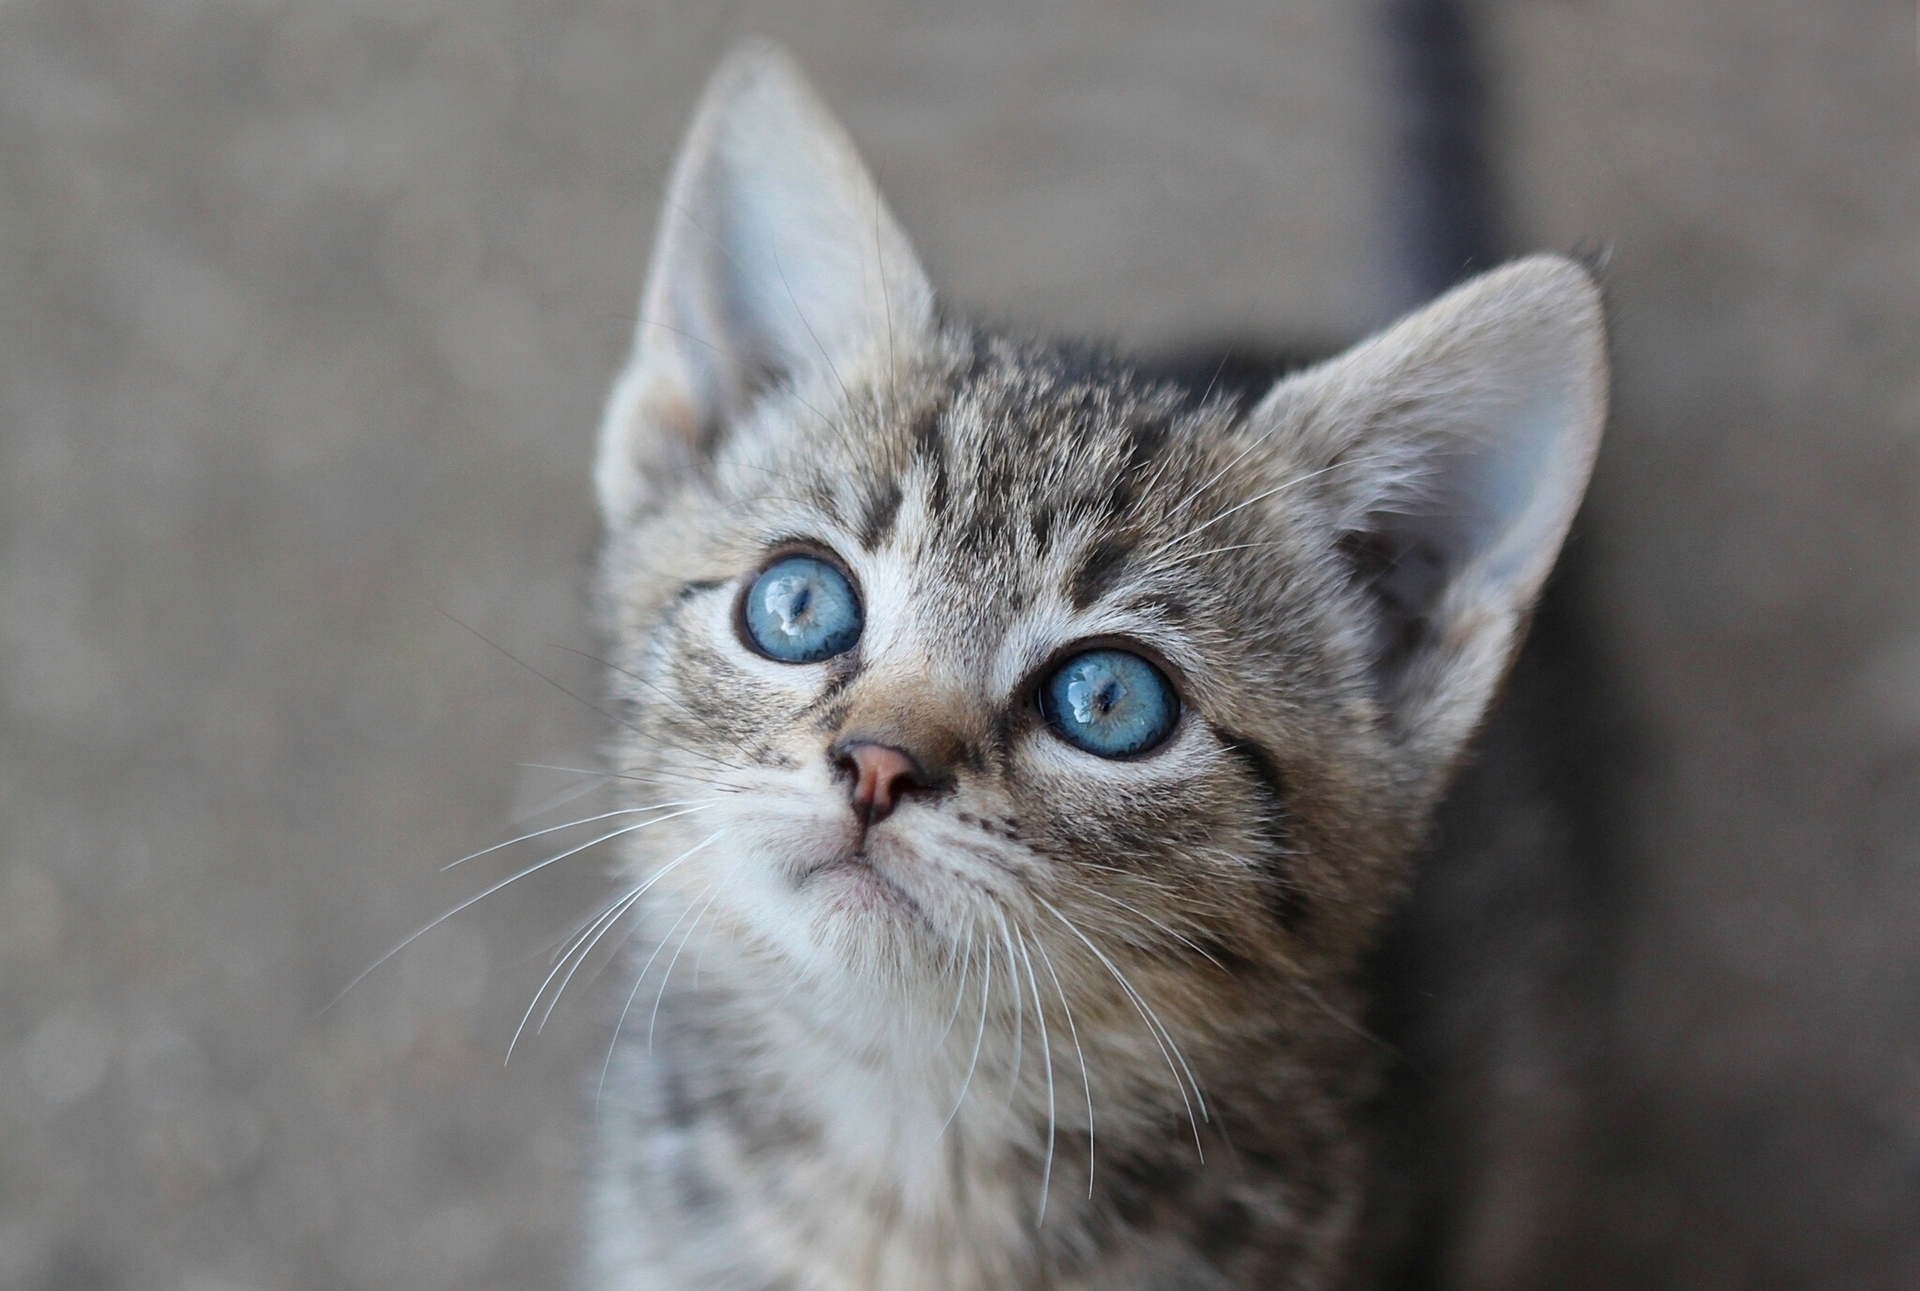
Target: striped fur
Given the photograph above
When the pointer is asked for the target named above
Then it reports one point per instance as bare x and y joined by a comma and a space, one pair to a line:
1058, 1022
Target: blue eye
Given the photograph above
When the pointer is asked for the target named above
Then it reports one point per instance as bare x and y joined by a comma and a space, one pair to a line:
801, 610
1109, 703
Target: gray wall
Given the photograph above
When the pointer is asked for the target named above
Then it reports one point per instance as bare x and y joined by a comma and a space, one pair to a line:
305, 313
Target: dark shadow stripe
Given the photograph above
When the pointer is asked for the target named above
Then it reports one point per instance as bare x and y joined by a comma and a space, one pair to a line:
1286, 899
1447, 216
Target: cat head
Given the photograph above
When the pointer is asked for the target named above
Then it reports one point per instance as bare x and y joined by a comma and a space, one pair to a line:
934, 637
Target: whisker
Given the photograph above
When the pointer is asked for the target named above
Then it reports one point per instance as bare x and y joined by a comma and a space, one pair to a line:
591, 937
725, 880
1046, 1057
1263, 495
626, 776
1154, 1026
548, 766
1086, 1083
613, 953
1346, 1021
675, 778
1163, 548
692, 804
494, 645
986, 987
633, 897
966, 965
845, 393
1019, 1008
426, 928
1220, 474
667, 975
555, 801
646, 968
1133, 909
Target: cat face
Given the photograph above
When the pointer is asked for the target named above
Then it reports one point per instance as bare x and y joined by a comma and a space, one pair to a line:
1033, 641
929, 640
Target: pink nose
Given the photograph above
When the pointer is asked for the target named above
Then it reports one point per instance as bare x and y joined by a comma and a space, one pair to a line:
881, 775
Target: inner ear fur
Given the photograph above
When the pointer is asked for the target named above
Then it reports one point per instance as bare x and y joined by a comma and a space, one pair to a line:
1454, 449
776, 263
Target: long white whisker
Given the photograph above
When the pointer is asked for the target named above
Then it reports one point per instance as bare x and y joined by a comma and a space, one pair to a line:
1262, 496
573, 824
1133, 909
1086, 1083
571, 937
646, 968
613, 952
1218, 475
666, 975
1147, 1015
960, 992
628, 775
426, 928
591, 936
1165, 547
606, 922
625, 904
555, 801
986, 988
1046, 1057
725, 880
1019, 1008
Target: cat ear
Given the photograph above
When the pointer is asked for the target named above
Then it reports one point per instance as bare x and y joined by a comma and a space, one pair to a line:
776, 262
1455, 448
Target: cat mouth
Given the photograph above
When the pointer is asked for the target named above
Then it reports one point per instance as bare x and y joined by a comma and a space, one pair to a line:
852, 882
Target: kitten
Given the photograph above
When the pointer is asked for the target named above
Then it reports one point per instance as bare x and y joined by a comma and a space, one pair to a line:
1024, 755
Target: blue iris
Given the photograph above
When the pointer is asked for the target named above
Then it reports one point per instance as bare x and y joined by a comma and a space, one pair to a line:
1109, 703
802, 610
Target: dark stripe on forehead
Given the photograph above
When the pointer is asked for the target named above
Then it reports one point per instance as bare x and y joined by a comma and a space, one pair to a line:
1145, 439
1041, 525
1100, 568
930, 452
876, 519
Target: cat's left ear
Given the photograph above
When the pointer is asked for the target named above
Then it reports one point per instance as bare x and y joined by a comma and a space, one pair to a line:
1454, 450
777, 263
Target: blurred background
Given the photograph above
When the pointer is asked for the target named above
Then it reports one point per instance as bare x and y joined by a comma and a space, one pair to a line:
306, 311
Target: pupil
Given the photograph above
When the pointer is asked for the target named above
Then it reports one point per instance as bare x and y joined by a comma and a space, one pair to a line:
797, 607
1108, 698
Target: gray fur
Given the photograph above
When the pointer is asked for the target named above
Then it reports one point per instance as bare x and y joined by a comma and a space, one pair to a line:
867, 1064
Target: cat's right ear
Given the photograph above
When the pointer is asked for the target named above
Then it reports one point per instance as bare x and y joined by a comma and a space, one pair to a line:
776, 263
1452, 450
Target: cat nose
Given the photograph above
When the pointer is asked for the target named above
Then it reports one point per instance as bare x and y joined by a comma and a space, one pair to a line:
881, 775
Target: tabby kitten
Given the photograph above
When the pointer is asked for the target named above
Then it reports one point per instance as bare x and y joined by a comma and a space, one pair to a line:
1023, 754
